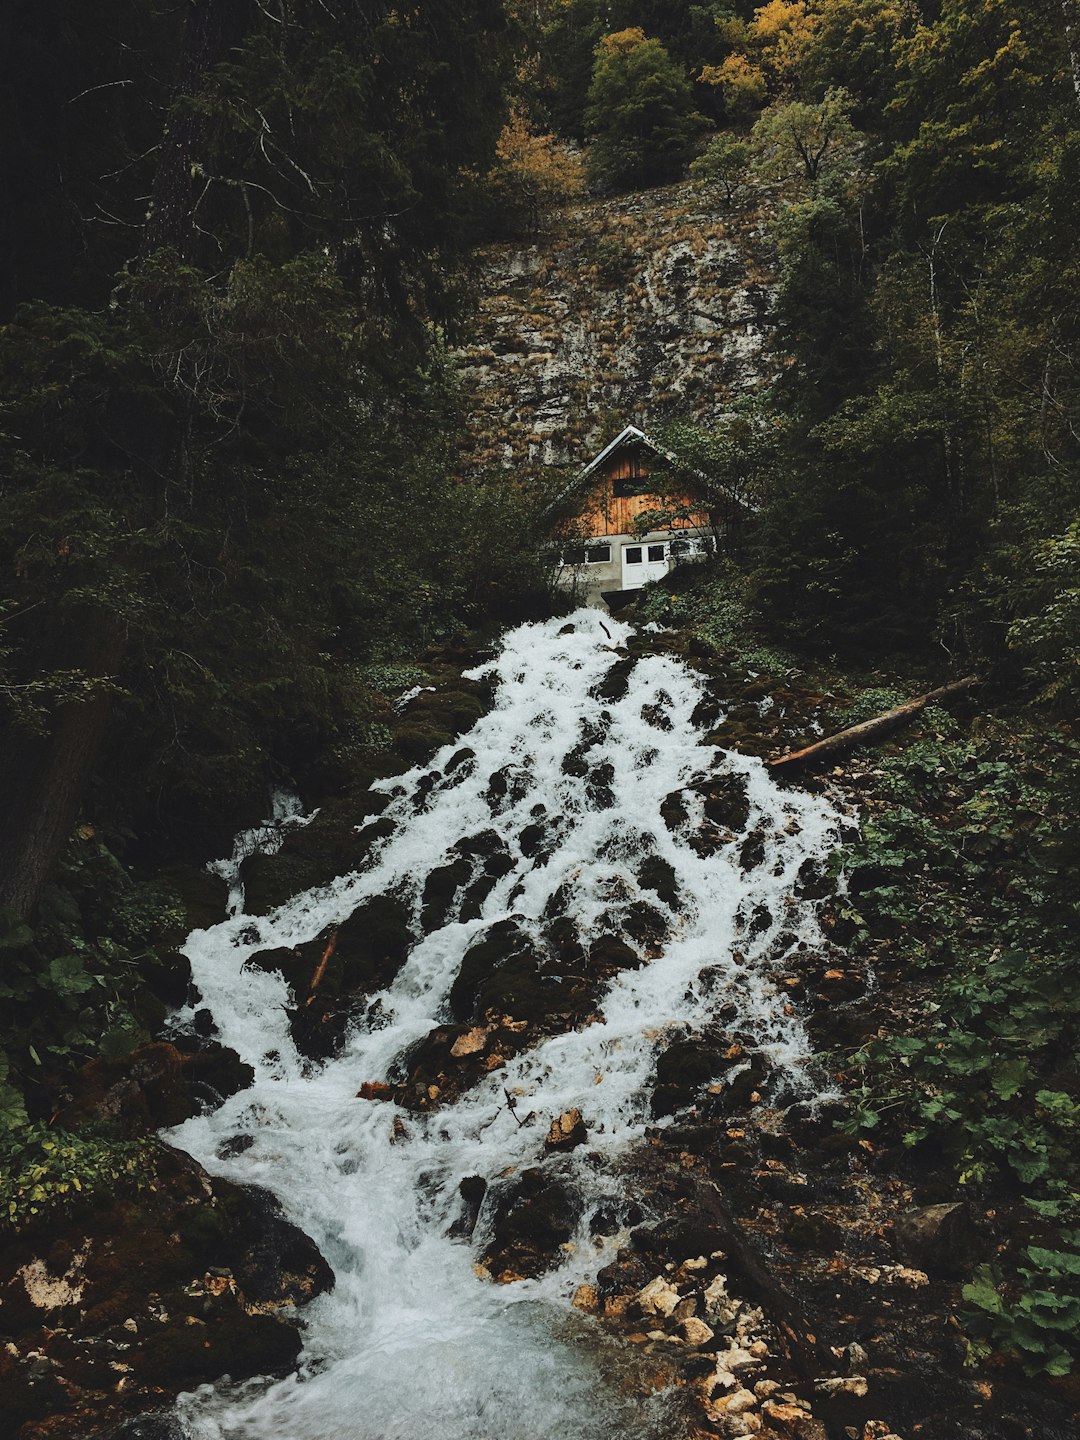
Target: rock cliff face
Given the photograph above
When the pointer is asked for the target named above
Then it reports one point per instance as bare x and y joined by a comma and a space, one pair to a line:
641, 309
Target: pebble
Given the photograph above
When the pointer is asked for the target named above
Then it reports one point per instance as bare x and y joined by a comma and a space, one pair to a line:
843, 1385
659, 1297
891, 1275
471, 1042
696, 1331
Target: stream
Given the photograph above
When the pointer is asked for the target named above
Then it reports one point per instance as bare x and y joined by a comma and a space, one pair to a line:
412, 1341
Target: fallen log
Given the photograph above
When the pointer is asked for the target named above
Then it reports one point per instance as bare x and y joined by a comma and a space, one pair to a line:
871, 729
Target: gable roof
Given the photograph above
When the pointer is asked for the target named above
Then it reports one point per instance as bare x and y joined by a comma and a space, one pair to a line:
630, 435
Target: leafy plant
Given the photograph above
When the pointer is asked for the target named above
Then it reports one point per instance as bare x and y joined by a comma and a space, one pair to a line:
961, 870
44, 1171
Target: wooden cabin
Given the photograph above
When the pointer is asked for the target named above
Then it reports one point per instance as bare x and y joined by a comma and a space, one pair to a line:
611, 558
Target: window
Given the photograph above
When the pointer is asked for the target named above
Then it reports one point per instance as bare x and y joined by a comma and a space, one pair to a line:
634, 482
597, 554
623, 489
632, 555
656, 552
681, 547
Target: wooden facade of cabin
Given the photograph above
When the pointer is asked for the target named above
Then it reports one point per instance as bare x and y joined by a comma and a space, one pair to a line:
612, 558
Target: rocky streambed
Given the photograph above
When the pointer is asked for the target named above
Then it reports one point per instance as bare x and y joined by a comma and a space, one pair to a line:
515, 1061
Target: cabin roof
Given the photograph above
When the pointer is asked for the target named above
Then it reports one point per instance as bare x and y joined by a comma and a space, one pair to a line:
629, 435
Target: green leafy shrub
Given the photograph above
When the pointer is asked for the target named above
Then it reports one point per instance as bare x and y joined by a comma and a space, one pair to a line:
965, 872
44, 1172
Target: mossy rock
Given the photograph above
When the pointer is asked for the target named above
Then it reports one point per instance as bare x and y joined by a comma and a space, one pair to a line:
727, 803
167, 976
504, 974
203, 895
615, 683
418, 740
363, 955
313, 854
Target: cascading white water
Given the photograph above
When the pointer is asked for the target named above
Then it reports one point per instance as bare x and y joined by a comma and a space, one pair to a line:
411, 1342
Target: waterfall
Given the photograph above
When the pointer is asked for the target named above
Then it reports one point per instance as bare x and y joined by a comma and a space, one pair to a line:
412, 1341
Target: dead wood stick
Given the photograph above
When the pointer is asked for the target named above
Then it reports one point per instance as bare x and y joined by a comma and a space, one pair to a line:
320, 969
871, 729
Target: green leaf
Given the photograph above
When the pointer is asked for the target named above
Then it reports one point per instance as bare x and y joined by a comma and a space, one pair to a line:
1056, 1262
1009, 1077
12, 1108
981, 1291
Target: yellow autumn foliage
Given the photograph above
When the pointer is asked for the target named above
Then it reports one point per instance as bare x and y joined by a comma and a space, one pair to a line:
533, 173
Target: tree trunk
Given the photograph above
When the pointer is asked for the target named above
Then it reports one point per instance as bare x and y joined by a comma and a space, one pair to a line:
43, 777
870, 729
170, 219
1070, 10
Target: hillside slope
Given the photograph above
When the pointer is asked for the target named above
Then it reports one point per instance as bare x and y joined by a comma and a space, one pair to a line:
641, 308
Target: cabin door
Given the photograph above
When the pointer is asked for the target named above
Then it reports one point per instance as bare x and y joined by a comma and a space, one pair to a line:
642, 563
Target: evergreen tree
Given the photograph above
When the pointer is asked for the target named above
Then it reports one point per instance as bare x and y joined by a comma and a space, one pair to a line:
640, 113
197, 450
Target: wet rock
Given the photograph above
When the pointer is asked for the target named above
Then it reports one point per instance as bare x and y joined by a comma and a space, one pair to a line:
658, 1297
534, 1216
617, 680
567, 1131
353, 959
727, 804
687, 1066
587, 1298
472, 1190
277, 1265
645, 924
608, 956
598, 786
659, 876
282, 960
623, 1277
673, 811
506, 787
941, 1239
181, 1277
504, 974
157, 1085
752, 851
440, 890
313, 854
158, 1425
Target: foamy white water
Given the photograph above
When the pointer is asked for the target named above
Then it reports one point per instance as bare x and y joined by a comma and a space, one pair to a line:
411, 1342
